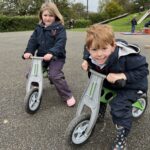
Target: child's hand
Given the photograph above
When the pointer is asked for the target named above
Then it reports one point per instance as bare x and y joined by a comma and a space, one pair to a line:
113, 77
47, 57
27, 55
84, 65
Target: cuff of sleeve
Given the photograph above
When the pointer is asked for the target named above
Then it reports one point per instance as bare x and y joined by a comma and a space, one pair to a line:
50, 52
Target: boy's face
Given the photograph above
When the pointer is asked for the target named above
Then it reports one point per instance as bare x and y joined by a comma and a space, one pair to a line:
47, 18
101, 55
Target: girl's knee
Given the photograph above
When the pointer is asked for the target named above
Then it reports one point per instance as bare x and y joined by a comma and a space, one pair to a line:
54, 77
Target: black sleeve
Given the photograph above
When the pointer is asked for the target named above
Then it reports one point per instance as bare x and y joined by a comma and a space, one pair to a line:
137, 68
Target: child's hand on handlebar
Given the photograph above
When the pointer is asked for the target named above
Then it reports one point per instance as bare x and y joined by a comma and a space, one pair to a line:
113, 77
85, 65
47, 57
27, 55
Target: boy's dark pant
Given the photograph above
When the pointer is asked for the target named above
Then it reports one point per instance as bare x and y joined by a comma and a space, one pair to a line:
121, 107
56, 75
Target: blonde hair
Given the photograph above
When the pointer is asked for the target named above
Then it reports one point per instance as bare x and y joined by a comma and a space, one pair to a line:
53, 10
98, 36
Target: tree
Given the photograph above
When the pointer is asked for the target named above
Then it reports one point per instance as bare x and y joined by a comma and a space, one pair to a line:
127, 5
140, 5
25, 7
78, 10
64, 7
20, 7
102, 4
8, 6
113, 9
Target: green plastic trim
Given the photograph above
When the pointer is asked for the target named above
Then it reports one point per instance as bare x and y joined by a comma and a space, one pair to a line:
107, 91
92, 88
35, 69
138, 105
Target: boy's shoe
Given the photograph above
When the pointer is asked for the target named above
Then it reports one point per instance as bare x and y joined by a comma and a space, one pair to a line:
71, 102
120, 140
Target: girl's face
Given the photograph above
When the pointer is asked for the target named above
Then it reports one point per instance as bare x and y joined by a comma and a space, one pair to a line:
47, 18
101, 55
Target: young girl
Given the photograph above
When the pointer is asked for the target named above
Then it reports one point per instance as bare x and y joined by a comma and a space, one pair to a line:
49, 39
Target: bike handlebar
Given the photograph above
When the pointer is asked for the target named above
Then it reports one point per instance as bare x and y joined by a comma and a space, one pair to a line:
37, 57
119, 83
32, 57
97, 73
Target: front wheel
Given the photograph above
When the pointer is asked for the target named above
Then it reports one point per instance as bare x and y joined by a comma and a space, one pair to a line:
76, 131
139, 107
32, 102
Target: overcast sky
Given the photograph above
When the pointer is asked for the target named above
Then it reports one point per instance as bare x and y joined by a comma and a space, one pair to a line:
93, 4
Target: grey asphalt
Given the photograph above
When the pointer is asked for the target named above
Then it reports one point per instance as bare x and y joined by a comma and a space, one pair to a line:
45, 129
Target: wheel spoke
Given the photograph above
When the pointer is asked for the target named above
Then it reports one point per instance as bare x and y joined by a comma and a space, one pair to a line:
79, 132
79, 135
34, 102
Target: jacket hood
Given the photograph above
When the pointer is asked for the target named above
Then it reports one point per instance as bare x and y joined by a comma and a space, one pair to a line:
127, 49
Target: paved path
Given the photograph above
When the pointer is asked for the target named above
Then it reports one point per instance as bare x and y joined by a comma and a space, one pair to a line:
45, 130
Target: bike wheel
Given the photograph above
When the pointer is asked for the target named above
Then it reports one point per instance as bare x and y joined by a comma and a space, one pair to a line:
32, 103
75, 133
136, 112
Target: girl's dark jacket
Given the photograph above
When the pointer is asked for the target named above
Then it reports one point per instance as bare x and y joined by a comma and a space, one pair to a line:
125, 59
51, 39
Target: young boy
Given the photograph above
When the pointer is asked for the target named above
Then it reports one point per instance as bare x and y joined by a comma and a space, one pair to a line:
117, 60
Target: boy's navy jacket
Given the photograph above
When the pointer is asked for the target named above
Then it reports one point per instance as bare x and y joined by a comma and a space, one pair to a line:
51, 39
125, 59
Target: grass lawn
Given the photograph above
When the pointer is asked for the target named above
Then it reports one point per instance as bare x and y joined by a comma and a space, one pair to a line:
123, 24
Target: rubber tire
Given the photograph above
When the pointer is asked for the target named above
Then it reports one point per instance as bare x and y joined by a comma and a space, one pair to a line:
27, 99
145, 98
72, 126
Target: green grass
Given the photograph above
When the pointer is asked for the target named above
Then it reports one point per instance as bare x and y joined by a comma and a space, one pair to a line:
123, 24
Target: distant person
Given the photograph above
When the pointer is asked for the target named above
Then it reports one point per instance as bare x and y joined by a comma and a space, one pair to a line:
147, 24
133, 24
71, 23
49, 39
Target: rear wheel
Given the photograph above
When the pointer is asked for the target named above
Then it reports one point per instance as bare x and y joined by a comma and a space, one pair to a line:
137, 112
32, 102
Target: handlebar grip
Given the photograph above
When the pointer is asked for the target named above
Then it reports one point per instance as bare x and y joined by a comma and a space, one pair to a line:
120, 83
29, 57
